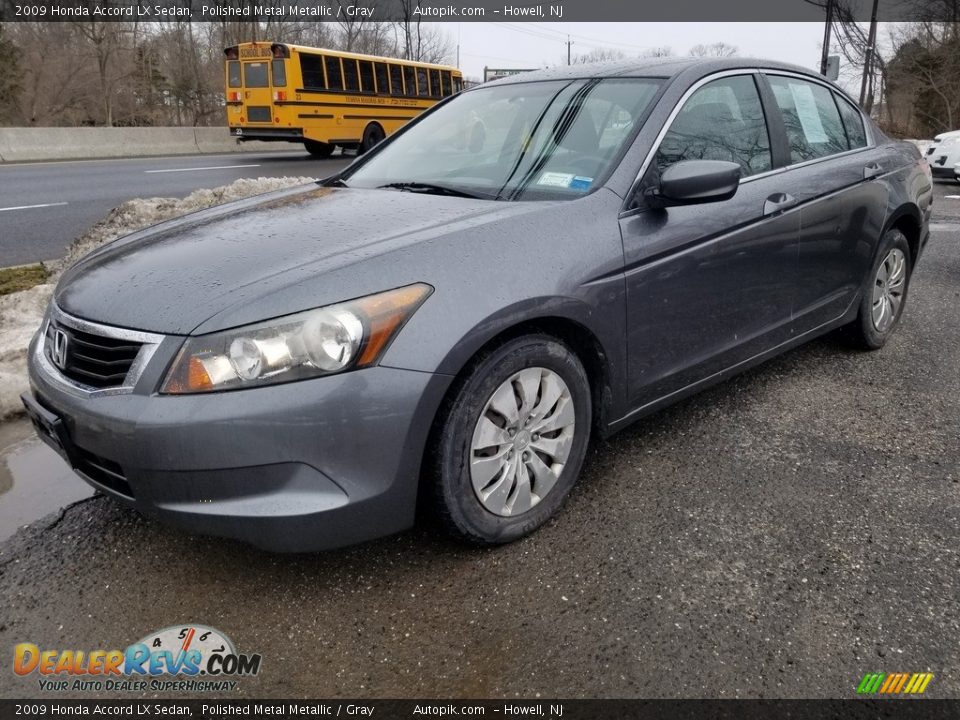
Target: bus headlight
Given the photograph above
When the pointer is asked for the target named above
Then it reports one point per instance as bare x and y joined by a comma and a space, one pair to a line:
328, 340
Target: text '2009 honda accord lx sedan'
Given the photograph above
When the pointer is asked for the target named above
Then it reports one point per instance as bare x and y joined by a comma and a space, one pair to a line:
449, 320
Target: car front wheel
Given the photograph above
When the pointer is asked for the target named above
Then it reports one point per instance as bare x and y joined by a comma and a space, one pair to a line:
511, 441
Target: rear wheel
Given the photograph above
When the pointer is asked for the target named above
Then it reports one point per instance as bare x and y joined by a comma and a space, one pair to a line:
319, 149
884, 293
372, 135
511, 441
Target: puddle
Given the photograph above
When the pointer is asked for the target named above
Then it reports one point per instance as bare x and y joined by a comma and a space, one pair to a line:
34, 480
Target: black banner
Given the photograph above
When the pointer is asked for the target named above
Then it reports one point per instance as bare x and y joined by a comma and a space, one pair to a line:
510, 709
470, 10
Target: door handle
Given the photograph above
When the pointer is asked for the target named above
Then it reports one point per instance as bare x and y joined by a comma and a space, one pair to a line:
872, 170
778, 202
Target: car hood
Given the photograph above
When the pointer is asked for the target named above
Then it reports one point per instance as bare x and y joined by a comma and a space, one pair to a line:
173, 277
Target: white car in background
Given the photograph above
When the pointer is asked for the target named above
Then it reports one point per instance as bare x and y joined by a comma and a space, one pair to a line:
944, 155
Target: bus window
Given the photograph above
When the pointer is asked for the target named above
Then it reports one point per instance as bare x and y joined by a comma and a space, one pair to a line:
422, 87
366, 76
409, 80
279, 73
435, 83
383, 83
311, 67
351, 78
255, 75
233, 73
457, 84
334, 74
396, 80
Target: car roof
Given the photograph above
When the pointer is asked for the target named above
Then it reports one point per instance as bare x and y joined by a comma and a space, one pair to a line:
941, 136
668, 67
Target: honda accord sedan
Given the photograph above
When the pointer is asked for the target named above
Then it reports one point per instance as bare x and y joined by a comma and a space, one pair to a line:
444, 325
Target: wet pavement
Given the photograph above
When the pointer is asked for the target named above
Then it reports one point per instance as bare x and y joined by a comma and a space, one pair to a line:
780, 535
34, 481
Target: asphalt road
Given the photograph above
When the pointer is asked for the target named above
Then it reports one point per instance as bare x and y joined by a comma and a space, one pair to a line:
45, 206
780, 535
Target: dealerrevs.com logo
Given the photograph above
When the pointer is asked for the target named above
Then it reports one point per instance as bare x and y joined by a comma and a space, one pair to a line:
188, 658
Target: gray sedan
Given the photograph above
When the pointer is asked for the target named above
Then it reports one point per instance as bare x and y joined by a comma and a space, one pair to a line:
447, 323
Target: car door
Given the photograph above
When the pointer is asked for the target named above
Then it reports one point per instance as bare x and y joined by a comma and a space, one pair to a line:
709, 285
835, 177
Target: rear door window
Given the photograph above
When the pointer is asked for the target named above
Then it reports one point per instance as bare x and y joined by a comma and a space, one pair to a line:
852, 123
255, 75
723, 120
814, 128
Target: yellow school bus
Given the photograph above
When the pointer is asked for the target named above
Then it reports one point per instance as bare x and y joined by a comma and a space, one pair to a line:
327, 98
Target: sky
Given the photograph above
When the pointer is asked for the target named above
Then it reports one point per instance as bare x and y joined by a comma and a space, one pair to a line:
533, 45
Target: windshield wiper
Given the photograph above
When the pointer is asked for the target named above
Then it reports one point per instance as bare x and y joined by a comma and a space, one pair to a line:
335, 182
430, 189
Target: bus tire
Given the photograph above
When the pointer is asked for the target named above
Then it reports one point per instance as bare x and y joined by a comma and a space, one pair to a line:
372, 135
318, 149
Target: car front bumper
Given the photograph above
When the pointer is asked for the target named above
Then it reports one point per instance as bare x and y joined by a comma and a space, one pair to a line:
297, 467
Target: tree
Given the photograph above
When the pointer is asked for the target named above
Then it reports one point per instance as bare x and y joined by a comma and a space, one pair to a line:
717, 49
10, 87
657, 52
598, 55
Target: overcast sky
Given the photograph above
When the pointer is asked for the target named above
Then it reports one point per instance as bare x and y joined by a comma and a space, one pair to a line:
528, 44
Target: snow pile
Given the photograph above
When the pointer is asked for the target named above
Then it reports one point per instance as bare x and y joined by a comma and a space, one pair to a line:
22, 312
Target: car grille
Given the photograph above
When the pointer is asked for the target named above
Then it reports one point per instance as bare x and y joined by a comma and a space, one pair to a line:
92, 360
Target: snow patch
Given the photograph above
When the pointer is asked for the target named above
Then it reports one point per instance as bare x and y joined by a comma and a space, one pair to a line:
21, 313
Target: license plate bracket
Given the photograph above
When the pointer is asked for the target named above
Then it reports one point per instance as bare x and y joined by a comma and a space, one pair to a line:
50, 428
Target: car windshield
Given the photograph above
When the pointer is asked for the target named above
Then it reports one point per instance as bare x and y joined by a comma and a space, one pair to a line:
523, 141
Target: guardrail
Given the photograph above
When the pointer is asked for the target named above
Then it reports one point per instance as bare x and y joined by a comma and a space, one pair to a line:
88, 143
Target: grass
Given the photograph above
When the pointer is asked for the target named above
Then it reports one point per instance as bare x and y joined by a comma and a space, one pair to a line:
22, 277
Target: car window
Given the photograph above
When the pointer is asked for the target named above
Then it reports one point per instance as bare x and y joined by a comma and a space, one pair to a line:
814, 128
852, 123
255, 75
723, 120
525, 141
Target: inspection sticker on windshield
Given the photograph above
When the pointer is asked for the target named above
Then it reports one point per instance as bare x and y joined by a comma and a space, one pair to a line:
565, 180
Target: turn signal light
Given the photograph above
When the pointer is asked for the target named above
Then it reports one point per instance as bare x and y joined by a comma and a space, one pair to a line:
234, 97
279, 96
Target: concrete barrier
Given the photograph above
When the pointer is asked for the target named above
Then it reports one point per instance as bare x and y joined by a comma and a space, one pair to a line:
219, 140
38, 144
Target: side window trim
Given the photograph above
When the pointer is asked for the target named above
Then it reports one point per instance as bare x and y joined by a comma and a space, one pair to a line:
777, 129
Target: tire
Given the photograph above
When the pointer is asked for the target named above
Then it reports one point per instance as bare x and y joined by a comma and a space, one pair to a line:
372, 135
318, 149
886, 284
459, 468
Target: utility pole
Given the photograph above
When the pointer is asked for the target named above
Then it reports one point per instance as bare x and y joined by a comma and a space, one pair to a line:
827, 32
868, 57
569, 43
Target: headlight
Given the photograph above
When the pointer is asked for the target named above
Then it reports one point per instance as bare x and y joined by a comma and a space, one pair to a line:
328, 340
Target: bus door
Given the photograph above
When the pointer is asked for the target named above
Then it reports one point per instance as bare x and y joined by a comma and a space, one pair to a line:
257, 94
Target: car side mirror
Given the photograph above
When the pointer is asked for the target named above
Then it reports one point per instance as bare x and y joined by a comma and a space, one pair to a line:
690, 182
